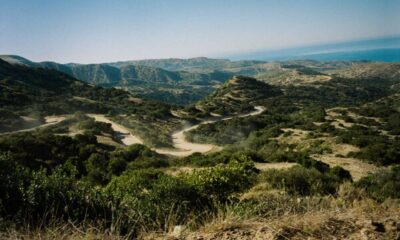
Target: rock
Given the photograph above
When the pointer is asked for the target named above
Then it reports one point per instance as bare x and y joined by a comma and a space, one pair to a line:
178, 230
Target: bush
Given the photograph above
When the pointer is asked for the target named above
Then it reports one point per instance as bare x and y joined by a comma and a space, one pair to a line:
221, 181
307, 162
96, 167
152, 199
116, 166
393, 124
303, 181
11, 185
135, 157
146, 162
37, 197
383, 184
213, 159
380, 153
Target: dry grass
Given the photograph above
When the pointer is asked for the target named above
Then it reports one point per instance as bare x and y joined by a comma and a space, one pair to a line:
260, 166
356, 167
178, 170
362, 219
82, 99
350, 215
107, 140
278, 165
336, 157
64, 231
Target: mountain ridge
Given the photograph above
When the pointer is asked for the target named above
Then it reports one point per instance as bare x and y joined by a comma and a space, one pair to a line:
104, 73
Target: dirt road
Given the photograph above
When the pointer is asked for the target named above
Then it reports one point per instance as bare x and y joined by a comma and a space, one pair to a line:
183, 148
127, 138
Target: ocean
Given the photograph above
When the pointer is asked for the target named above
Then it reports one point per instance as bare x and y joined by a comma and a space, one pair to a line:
382, 49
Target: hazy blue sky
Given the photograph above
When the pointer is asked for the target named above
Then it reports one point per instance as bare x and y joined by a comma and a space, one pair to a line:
99, 31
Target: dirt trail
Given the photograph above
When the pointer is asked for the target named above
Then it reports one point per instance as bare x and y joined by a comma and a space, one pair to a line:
127, 138
182, 147
49, 120
185, 148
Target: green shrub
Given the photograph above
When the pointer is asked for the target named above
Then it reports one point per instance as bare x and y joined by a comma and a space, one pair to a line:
380, 153
393, 124
117, 165
304, 181
151, 199
223, 180
37, 197
12, 183
340, 173
96, 167
307, 162
224, 156
147, 162
383, 184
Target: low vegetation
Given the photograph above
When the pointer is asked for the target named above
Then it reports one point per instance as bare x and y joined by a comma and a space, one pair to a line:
63, 177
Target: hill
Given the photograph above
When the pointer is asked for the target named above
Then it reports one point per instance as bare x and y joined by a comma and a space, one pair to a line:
326, 150
33, 93
51, 92
147, 81
237, 95
390, 71
199, 64
127, 74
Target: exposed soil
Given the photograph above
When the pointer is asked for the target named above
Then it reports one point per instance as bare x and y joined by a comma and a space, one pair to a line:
127, 138
185, 148
49, 120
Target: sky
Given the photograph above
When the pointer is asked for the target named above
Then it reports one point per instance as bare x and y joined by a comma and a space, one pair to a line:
93, 31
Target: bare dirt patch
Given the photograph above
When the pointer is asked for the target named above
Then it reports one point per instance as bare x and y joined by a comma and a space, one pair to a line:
356, 167
185, 148
335, 157
127, 138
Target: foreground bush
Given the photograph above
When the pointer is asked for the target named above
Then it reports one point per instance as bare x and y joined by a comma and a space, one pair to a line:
151, 199
37, 196
221, 181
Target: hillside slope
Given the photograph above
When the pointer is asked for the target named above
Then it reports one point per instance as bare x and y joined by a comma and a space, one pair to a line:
177, 87
237, 95
50, 91
33, 93
199, 64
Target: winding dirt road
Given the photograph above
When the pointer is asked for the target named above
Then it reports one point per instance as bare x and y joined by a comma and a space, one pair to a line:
183, 148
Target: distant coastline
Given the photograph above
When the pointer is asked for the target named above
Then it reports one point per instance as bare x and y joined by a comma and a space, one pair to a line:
382, 49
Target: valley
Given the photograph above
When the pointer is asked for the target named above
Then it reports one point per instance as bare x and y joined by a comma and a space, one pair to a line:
182, 147
306, 137
199, 120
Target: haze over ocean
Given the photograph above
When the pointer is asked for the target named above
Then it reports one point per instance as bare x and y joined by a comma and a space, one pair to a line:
380, 49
